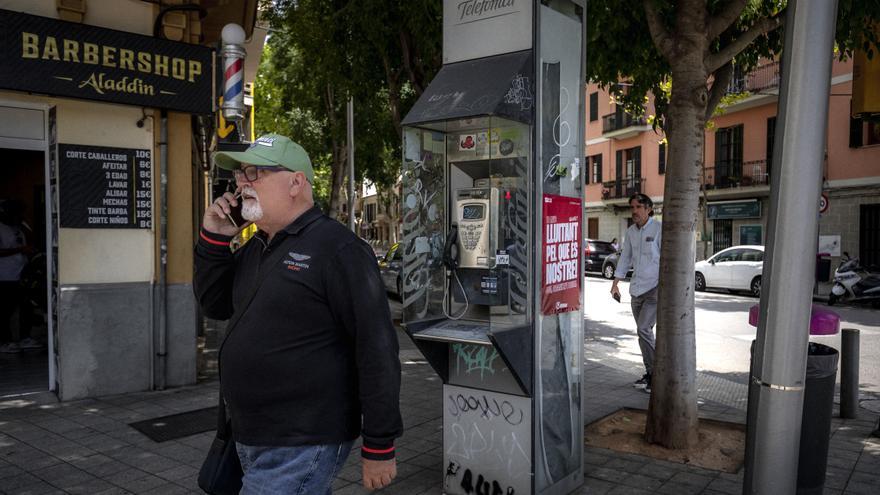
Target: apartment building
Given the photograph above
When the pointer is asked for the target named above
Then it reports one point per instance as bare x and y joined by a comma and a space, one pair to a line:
625, 155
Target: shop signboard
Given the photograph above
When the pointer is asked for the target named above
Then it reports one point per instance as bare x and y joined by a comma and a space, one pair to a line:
562, 273
734, 209
482, 28
43, 55
105, 188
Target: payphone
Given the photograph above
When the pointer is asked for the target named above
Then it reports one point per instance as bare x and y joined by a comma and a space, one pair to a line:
488, 171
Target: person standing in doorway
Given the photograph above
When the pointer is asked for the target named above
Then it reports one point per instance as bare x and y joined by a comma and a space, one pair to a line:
641, 252
13, 258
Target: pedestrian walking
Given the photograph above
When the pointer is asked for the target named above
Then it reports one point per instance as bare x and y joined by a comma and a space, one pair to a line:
311, 362
641, 252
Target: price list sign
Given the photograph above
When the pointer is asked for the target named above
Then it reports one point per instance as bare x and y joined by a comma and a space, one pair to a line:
105, 188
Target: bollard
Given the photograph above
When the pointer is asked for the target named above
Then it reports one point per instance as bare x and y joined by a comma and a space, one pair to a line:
849, 373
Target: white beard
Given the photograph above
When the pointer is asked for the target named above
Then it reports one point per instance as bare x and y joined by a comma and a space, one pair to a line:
250, 208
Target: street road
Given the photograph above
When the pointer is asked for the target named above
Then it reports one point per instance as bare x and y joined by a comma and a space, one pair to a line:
723, 332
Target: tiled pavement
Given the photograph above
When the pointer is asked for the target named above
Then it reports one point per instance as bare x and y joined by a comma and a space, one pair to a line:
87, 446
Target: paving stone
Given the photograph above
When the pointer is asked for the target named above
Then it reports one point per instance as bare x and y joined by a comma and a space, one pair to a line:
725, 486
38, 488
673, 488
594, 486
697, 480
656, 471
167, 489
144, 484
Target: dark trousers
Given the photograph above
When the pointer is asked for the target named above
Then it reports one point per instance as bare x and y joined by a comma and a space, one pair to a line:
12, 297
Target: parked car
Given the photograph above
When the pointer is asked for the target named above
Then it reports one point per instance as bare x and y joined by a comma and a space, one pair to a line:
595, 253
609, 266
734, 268
391, 268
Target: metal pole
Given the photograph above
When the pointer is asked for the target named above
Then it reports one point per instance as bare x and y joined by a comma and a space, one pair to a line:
351, 164
779, 363
849, 373
161, 351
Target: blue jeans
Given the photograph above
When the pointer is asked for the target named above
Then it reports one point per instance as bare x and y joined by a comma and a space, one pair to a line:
297, 470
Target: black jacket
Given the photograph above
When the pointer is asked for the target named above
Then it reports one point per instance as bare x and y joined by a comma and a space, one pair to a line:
314, 357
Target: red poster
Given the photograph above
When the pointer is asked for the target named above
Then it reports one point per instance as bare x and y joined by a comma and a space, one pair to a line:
562, 273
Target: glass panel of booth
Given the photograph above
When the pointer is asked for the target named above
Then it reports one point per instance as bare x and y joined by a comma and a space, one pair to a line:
466, 239
560, 343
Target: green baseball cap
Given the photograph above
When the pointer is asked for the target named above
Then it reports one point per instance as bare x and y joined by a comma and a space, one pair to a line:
269, 150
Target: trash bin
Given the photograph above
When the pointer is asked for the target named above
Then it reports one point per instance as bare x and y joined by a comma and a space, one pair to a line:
816, 418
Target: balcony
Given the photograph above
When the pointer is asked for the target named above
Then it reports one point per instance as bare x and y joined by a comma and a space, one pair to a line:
760, 80
622, 188
736, 174
620, 125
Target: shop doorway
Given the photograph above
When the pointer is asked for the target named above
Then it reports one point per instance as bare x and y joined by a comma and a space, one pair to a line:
722, 235
24, 314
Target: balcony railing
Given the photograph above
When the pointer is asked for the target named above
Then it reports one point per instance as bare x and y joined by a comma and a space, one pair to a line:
736, 174
622, 188
617, 121
760, 79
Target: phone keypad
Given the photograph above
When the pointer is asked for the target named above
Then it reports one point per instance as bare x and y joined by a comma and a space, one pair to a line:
470, 235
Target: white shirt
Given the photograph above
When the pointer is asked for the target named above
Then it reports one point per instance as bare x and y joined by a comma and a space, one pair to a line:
641, 251
11, 266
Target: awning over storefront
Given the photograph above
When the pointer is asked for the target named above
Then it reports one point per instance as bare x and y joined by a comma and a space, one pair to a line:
502, 85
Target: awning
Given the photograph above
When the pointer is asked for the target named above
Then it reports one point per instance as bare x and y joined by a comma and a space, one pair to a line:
502, 86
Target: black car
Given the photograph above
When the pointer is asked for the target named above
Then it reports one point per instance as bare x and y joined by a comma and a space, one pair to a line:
595, 253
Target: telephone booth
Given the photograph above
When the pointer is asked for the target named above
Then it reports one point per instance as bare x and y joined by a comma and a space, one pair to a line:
492, 283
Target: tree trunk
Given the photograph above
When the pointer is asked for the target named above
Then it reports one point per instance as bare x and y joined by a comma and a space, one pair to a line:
337, 179
672, 413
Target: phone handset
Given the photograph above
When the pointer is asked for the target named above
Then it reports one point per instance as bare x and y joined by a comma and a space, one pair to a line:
450, 249
450, 259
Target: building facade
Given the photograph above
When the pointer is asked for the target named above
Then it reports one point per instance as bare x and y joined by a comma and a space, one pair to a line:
107, 115
625, 155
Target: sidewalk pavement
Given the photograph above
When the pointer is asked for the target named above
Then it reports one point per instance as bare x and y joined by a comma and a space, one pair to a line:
87, 447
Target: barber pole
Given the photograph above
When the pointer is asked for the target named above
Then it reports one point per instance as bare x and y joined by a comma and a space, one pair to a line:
233, 54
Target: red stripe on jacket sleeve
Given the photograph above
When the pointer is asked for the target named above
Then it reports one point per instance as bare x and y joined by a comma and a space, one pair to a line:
213, 241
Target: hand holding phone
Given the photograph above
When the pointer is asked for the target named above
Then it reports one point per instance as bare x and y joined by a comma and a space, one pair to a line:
616, 296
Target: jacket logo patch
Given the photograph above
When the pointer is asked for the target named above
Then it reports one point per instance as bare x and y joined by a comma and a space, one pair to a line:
299, 257
296, 264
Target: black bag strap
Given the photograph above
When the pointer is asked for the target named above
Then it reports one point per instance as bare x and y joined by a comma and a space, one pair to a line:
224, 431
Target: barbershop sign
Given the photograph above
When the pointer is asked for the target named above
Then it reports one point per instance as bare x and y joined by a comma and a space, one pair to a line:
43, 55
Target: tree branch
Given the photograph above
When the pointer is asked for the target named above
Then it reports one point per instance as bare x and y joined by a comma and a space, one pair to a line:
724, 19
719, 87
715, 61
659, 34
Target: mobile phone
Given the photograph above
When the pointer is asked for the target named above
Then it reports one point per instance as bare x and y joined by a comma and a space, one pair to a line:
616, 296
234, 215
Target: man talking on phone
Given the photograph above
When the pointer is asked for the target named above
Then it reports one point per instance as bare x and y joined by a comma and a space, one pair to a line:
641, 252
310, 362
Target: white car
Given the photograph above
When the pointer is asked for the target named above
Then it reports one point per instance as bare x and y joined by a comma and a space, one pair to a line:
736, 268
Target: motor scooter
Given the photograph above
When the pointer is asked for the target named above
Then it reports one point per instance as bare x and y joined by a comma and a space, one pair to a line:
854, 283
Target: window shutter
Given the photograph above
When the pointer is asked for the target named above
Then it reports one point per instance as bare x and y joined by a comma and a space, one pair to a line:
661, 158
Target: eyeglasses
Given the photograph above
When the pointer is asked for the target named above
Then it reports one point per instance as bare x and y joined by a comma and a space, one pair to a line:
251, 173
